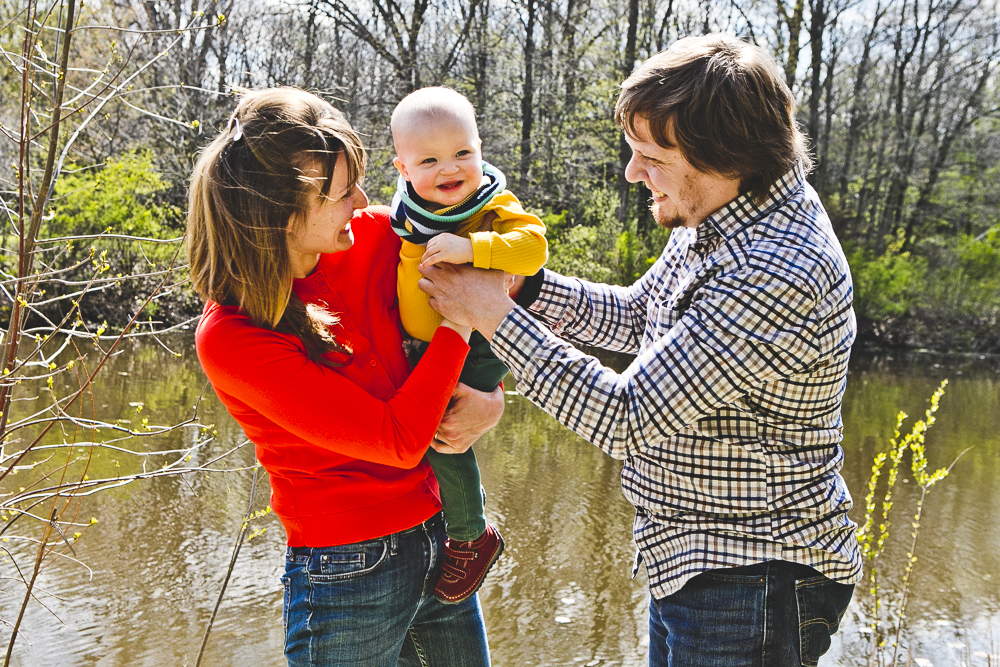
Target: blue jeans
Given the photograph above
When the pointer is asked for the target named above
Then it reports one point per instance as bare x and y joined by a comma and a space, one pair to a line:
773, 614
371, 604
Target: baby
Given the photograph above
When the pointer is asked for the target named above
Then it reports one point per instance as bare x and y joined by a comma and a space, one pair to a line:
452, 207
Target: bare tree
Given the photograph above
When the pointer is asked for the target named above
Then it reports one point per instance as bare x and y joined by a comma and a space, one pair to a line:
45, 284
394, 33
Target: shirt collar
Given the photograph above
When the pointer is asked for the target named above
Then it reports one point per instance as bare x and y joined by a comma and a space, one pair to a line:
744, 211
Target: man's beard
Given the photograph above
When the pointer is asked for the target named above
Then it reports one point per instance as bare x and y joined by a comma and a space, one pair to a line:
667, 221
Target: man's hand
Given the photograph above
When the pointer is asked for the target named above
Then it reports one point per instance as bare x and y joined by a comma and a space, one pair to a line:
470, 414
466, 295
448, 249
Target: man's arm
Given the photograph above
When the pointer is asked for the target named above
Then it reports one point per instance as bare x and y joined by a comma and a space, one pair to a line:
750, 328
607, 316
611, 317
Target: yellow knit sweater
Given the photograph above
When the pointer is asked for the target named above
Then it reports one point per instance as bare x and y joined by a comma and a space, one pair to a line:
504, 236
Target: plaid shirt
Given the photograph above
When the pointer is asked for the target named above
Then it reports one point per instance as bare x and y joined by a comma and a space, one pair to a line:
728, 418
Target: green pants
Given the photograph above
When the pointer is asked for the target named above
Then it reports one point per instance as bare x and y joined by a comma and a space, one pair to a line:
458, 474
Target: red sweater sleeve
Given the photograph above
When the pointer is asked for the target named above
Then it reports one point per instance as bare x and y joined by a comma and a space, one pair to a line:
269, 373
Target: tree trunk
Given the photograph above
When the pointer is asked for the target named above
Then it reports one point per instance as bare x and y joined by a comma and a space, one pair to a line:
794, 23
624, 152
858, 116
307, 77
817, 28
527, 95
943, 150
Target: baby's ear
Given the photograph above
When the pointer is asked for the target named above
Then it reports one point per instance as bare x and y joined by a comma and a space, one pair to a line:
400, 166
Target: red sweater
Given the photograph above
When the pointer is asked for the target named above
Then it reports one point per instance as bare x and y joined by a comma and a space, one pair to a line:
344, 447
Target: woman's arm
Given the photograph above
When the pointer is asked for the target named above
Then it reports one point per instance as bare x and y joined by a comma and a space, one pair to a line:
266, 381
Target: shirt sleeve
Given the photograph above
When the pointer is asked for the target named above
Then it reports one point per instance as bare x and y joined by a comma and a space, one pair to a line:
270, 374
415, 312
517, 243
612, 317
747, 329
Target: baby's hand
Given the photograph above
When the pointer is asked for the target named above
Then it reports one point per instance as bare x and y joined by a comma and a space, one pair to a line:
447, 249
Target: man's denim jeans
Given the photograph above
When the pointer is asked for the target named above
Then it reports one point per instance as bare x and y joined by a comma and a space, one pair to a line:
773, 614
371, 604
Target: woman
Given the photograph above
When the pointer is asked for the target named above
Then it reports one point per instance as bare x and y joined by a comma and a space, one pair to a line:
300, 338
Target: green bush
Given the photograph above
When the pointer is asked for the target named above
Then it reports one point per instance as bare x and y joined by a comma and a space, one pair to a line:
122, 197
979, 259
590, 243
887, 285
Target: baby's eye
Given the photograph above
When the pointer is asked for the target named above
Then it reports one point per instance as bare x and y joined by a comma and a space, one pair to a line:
463, 153
429, 160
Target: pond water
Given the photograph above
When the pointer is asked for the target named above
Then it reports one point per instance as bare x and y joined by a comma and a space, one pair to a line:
560, 595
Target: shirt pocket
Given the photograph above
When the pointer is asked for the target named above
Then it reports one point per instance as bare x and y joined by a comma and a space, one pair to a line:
662, 315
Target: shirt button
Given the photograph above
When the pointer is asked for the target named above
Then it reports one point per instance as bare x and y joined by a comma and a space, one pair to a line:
372, 362
324, 288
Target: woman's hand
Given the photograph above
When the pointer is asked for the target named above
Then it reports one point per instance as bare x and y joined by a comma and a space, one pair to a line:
470, 414
461, 329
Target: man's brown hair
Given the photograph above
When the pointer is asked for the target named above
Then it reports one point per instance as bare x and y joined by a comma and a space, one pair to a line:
728, 105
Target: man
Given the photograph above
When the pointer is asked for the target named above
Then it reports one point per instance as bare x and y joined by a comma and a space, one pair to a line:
728, 419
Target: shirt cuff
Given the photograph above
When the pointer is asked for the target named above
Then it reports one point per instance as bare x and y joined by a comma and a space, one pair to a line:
481, 249
530, 289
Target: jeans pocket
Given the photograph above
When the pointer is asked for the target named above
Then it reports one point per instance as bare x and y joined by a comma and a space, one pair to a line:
821, 604
348, 561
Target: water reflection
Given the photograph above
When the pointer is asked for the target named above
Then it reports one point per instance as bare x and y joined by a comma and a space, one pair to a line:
955, 589
561, 594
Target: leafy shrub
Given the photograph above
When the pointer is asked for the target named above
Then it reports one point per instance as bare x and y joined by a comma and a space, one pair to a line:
591, 243
980, 258
121, 198
887, 285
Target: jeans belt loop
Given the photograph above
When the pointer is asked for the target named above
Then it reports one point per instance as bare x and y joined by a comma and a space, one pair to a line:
393, 543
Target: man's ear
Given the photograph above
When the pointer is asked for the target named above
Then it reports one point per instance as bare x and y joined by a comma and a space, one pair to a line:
401, 167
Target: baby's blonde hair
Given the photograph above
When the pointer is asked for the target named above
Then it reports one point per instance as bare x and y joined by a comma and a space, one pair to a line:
427, 105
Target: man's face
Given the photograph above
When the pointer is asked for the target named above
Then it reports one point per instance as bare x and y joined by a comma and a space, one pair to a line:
682, 195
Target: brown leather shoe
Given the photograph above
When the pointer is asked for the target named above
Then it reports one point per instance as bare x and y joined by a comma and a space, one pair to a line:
466, 564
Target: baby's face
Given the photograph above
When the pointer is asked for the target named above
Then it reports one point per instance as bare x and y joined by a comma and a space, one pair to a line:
442, 159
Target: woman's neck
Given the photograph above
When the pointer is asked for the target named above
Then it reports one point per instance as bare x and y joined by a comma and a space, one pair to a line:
303, 265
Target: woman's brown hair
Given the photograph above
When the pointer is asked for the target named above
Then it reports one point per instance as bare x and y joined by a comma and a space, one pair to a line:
248, 185
727, 104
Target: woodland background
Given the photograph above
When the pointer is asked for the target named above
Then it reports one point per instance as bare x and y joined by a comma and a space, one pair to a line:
898, 97
104, 105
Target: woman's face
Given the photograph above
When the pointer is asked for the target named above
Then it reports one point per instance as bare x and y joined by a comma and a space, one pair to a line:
326, 226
